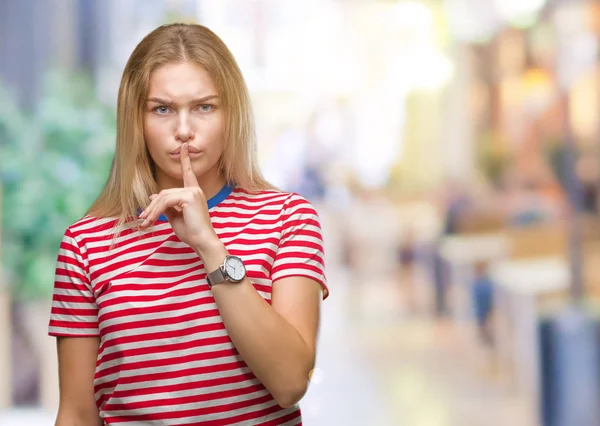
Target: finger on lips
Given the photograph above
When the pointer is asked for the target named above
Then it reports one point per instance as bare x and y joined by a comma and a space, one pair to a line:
163, 200
189, 178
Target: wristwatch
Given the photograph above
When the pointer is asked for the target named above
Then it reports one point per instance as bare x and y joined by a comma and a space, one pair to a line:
232, 270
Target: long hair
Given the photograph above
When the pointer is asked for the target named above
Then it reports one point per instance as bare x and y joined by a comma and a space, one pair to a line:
131, 180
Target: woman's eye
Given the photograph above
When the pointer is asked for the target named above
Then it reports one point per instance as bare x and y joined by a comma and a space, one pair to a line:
206, 107
162, 109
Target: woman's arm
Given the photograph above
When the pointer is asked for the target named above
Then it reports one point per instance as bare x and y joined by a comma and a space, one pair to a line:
76, 366
278, 342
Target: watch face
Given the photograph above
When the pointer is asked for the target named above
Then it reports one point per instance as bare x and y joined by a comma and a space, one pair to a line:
235, 268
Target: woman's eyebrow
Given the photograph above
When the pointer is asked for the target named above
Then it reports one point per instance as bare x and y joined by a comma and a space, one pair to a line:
193, 101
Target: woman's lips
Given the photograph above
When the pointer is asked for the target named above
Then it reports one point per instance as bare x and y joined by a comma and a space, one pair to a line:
192, 151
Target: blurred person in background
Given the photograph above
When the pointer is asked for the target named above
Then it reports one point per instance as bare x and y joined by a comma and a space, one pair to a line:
482, 294
455, 204
407, 258
191, 290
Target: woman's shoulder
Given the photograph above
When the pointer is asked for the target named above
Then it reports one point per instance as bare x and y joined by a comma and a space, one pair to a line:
268, 196
283, 201
91, 225
287, 205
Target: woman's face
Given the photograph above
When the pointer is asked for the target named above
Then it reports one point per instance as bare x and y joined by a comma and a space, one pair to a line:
183, 106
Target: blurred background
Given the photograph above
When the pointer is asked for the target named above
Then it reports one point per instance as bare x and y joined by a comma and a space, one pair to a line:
451, 148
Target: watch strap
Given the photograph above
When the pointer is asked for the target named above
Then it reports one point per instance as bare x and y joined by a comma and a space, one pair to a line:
216, 277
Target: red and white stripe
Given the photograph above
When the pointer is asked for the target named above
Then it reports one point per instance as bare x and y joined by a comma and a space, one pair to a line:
165, 356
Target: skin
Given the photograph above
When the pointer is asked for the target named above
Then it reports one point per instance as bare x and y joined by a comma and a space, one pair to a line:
184, 136
183, 106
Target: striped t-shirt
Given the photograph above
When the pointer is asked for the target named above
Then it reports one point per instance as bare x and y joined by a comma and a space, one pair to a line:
165, 357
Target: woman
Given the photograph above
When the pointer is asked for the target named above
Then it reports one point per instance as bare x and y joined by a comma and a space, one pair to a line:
190, 292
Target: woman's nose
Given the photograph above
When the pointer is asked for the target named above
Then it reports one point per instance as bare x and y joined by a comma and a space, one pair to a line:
184, 130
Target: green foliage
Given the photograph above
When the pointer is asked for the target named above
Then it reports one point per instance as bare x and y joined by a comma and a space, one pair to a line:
53, 164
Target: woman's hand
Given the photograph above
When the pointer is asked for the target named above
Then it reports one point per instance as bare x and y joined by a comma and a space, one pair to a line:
186, 209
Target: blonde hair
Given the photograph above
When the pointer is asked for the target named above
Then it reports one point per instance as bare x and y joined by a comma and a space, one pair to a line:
131, 180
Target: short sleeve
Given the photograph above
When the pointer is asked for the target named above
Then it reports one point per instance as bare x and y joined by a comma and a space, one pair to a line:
74, 310
300, 252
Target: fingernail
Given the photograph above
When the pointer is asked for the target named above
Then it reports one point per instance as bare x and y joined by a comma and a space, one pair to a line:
153, 196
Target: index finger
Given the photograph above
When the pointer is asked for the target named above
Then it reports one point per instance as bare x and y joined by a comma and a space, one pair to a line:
189, 178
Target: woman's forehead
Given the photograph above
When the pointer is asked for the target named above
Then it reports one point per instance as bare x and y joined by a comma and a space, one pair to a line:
181, 82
